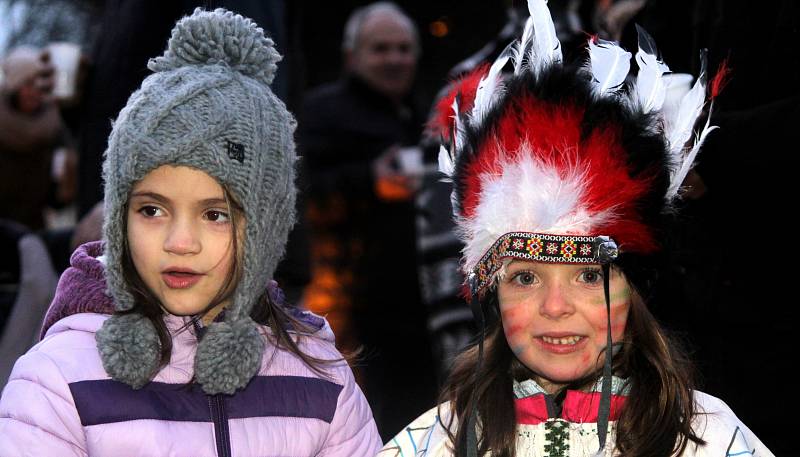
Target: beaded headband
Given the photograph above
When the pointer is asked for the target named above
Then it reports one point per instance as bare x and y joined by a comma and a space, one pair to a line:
542, 247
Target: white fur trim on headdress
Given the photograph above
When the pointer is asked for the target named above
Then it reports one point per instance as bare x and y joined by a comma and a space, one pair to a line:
528, 196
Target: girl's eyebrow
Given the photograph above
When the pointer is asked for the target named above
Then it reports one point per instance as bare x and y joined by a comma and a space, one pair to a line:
516, 269
153, 195
213, 201
162, 199
519, 263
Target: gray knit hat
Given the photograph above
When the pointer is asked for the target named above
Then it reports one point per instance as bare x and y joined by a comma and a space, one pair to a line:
208, 106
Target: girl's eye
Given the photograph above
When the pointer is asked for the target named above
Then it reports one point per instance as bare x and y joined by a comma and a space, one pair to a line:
524, 278
151, 211
591, 276
217, 216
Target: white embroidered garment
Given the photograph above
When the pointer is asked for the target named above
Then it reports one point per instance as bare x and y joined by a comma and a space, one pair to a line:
724, 433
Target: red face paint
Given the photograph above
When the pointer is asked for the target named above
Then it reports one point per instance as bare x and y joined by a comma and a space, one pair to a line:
554, 316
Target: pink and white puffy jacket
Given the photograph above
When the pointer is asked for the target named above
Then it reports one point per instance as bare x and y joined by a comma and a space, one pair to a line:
60, 402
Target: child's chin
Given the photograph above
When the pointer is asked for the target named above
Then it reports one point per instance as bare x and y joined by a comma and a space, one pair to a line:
177, 309
567, 376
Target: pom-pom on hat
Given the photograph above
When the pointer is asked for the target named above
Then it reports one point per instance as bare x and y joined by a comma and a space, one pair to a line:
208, 105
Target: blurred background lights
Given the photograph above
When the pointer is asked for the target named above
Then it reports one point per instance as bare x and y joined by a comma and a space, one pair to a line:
439, 28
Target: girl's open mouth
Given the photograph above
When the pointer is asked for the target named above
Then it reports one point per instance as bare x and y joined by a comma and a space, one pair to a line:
563, 344
177, 279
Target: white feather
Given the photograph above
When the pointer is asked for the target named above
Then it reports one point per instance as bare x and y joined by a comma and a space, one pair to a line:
489, 90
458, 129
528, 196
454, 205
518, 54
680, 128
687, 162
609, 65
545, 49
650, 86
446, 164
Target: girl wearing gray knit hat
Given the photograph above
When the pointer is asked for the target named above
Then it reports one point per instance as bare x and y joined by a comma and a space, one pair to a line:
197, 357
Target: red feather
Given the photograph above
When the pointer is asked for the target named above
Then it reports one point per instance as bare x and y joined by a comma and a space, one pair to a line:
441, 123
722, 78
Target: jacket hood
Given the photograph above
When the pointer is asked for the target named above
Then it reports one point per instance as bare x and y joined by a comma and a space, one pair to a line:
82, 289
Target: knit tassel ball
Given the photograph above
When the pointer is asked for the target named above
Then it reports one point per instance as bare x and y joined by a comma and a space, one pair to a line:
129, 346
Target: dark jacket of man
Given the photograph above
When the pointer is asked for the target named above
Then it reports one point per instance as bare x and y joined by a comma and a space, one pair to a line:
364, 273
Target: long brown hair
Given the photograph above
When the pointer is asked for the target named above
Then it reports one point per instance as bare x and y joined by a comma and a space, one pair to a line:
265, 311
656, 419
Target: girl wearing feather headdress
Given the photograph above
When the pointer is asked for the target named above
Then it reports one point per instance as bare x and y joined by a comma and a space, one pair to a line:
564, 182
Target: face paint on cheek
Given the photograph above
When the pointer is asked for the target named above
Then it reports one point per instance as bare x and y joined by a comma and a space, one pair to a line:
518, 349
618, 323
617, 298
617, 332
513, 329
619, 320
513, 325
513, 321
512, 312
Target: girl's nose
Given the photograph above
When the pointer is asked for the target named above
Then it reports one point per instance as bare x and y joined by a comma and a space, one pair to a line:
182, 238
556, 304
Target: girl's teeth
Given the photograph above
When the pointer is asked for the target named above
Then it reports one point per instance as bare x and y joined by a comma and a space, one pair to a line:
567, 340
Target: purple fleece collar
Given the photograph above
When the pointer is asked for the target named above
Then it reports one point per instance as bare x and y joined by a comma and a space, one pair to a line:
81, 288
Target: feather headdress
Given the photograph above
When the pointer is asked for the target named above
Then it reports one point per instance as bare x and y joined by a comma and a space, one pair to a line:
536, 147
567, 164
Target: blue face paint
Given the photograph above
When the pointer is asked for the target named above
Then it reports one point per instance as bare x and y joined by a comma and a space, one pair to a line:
622, 296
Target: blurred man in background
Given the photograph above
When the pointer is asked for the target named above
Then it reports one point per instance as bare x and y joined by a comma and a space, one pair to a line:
30, 128
356, 136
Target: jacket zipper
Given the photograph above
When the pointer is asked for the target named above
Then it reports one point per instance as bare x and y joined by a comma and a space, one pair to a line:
219, 416
221, 431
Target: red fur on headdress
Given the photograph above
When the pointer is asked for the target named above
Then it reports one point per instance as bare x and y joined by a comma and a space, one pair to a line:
548, 129
464, 88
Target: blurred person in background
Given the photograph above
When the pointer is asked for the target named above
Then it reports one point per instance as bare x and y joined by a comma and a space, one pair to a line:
30, 129
38, 101
27, 285
40, 22
355, 136
64, 30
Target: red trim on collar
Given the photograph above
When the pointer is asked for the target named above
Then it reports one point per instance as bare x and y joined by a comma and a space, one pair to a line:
578, 407
531, 410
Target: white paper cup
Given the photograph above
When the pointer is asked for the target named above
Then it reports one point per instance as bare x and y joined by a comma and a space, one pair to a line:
65, 58
410, 160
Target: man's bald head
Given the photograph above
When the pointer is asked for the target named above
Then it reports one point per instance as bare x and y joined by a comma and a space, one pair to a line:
381, 47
